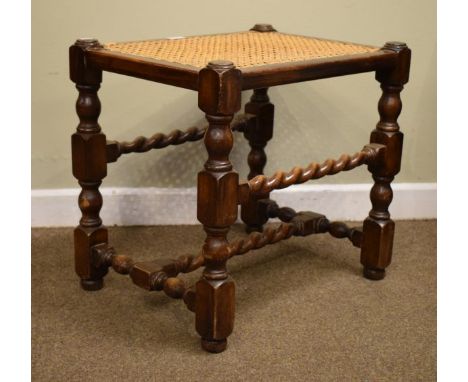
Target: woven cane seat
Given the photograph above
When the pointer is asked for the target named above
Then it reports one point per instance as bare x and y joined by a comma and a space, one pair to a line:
244, 49
264, 57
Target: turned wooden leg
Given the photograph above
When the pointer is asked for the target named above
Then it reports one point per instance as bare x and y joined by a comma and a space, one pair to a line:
219, 98
89, 165
259, 131
378, 228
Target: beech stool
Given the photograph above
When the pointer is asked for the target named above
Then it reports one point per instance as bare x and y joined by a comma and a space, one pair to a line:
219, 67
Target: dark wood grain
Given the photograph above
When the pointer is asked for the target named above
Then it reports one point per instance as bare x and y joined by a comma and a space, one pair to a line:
263, 28
282, 74
378, 228
219, 193
254, 77
258, 132
176, 137
219, 98
89, 165
169, 73
262, 185
337, 229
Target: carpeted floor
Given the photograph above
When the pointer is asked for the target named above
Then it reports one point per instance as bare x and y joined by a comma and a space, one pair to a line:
304, 313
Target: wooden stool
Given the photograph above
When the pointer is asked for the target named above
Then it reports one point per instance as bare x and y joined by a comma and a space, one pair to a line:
219, 67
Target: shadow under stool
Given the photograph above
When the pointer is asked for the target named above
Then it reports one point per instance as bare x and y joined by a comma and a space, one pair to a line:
219, 67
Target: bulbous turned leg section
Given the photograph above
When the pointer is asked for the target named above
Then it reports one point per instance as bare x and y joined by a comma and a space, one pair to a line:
258, 132
378, 231
89, 233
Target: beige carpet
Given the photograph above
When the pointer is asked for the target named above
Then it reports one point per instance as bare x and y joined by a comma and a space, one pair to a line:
304, 313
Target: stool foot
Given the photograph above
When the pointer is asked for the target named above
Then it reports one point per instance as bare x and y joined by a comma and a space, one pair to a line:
213, 346
92, 285
373, 274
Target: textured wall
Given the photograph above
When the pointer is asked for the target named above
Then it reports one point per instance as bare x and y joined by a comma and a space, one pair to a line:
314, 120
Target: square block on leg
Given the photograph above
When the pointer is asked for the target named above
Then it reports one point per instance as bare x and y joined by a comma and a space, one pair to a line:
214, 312
377, 245
85, 238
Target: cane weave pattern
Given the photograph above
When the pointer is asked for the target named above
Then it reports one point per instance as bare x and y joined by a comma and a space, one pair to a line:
244, 49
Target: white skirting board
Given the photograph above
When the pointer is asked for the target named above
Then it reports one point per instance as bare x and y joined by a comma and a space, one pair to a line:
170, 206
